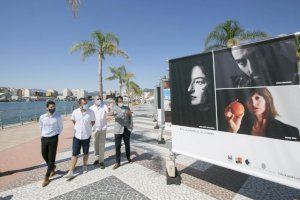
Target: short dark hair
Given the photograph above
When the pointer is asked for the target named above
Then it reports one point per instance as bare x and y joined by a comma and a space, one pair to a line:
81, 99
50, 102
118, 97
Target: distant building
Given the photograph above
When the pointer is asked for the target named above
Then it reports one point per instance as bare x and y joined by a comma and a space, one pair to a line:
67, 93
51, 93
4, 97
79, 93
109, 94
16, 92
27, 92
5, 94
34, 93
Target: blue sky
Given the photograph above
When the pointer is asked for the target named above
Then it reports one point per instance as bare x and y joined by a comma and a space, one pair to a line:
36, 36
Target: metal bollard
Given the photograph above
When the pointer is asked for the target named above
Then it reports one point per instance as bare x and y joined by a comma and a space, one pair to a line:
1, 123
21, 119
35, 117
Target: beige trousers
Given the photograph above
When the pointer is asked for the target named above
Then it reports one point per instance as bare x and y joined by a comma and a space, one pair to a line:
99, 138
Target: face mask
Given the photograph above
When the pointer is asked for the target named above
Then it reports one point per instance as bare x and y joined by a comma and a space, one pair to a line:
51, 111
85, 107
120, 104
97, 102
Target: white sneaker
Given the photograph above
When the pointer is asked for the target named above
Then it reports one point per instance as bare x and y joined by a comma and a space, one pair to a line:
69, 174
84, 169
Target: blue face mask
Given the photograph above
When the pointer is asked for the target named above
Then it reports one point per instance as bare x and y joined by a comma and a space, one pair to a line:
85, 107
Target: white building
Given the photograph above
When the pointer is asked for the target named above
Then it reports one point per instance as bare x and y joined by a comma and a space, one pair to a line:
67, 93
27, 92
79, 93
51, 93
16, 92
33, 93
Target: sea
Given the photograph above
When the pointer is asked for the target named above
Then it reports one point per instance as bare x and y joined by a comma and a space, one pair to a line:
21, 112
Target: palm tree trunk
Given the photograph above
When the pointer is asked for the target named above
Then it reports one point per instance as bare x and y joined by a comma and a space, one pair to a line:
100, 76
120, 87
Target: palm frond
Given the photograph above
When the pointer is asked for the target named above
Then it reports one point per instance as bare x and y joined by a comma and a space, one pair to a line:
253, 35
112, 38
128, 76
115, 74
87, 49
74, 5
215, 47
228, 34
122, 53
215, 35
98, 37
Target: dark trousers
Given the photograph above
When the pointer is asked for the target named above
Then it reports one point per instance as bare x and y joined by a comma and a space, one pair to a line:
118, 141
49, 146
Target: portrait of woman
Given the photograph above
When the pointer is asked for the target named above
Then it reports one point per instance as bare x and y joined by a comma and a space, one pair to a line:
193, 97
256, 115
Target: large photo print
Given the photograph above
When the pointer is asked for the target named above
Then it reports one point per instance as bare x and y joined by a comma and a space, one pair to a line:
193, 94
266, 112
270, 63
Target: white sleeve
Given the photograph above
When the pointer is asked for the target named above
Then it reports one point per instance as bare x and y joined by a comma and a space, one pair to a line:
93, 117
73, 116
60, 125
41, 122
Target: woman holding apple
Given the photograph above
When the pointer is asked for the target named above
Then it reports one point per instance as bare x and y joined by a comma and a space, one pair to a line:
261, 122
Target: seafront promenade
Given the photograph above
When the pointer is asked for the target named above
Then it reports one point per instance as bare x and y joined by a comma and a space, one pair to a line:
22, 170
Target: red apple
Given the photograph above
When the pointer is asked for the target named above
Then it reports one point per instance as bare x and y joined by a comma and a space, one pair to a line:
237, 108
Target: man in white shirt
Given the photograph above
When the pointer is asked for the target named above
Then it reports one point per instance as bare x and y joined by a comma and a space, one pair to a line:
51, 126
99, 130
83, 119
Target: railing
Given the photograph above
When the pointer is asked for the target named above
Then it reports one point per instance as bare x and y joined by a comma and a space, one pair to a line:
20, 116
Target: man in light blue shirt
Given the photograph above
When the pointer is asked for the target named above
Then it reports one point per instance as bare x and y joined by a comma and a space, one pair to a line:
51, 126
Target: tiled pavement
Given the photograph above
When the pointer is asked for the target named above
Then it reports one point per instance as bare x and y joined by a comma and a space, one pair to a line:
145, 178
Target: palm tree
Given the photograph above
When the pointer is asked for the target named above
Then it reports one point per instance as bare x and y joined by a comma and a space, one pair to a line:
230, 33
298, 47
74, 5
101, 45
136, 89
120, 74
133, 89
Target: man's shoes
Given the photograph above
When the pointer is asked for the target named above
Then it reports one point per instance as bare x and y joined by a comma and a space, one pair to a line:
53, 171
96, 162
69, 174
84, 169
102, 166
117, 165
129, 160
46, 182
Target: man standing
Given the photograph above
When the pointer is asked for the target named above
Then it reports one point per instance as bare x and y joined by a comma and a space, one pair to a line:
99, 130
51, 126
123, 128
83, 119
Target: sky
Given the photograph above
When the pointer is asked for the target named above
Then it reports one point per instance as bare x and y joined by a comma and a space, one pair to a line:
36, 36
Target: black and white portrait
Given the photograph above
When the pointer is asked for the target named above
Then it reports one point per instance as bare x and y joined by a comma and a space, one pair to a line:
269, 63
193, 100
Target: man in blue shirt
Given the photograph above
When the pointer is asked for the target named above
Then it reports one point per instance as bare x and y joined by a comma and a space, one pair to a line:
51, 126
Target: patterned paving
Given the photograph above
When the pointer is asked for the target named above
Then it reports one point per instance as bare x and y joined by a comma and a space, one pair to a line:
145, 179
109, 188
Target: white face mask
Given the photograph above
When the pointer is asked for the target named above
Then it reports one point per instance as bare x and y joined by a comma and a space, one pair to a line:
97, 102
120, 104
